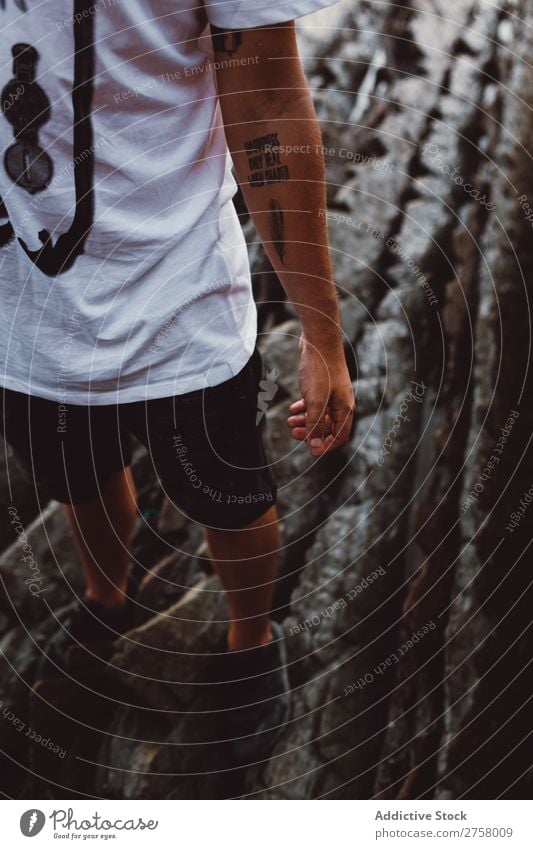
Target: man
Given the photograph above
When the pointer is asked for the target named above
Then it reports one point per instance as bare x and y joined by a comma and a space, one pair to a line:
126, 302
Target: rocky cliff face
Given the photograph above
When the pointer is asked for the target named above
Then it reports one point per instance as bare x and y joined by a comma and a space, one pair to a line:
405, 585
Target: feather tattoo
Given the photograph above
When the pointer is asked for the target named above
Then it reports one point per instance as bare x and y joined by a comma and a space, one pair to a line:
277, 229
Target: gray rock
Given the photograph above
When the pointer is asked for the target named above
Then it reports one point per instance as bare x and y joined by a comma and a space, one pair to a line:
369, 395
166, 658
52, 564
281, 357
19, 492
488, 630
168, 581
20, 649
387, 350
336, 634
171, 518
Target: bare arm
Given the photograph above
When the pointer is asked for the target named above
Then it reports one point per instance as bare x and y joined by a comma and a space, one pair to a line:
274, 137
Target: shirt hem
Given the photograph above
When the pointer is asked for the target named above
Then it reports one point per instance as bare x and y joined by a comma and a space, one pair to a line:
131, 394
264, 13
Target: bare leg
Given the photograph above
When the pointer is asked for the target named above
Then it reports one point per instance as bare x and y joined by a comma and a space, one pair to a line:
102, 531
246, 562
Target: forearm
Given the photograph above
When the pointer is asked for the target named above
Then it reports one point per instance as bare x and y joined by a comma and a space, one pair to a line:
275, 141
278, 161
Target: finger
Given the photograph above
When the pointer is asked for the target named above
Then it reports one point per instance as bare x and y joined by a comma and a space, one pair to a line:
301, 420
342, 427
296, 421
323, 448
299, 430
317, 428
297, 406
333, 445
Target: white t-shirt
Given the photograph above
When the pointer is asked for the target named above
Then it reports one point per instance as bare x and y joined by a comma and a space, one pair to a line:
124, 271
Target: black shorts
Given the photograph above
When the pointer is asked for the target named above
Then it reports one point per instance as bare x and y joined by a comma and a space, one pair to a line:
206, 447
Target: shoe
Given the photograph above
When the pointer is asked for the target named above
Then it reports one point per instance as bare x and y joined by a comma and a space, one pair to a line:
85, 621
255, 698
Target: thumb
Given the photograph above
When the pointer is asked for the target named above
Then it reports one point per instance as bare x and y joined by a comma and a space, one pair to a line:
316, 421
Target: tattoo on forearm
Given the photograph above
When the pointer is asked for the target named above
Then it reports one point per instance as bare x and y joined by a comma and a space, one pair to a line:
264, 161
277, 229
226, 41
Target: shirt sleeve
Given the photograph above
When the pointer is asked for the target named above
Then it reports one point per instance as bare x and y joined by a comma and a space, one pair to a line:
244, 14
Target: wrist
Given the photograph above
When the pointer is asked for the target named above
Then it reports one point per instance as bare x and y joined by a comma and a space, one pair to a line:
325, 342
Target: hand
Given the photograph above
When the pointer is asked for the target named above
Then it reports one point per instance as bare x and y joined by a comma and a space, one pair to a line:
323, 416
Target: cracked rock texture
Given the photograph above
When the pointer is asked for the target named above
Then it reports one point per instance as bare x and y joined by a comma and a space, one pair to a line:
405, 574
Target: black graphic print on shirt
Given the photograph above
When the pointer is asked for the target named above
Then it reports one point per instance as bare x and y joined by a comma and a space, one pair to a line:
6, 230
21, 4
25, 105
29, 167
